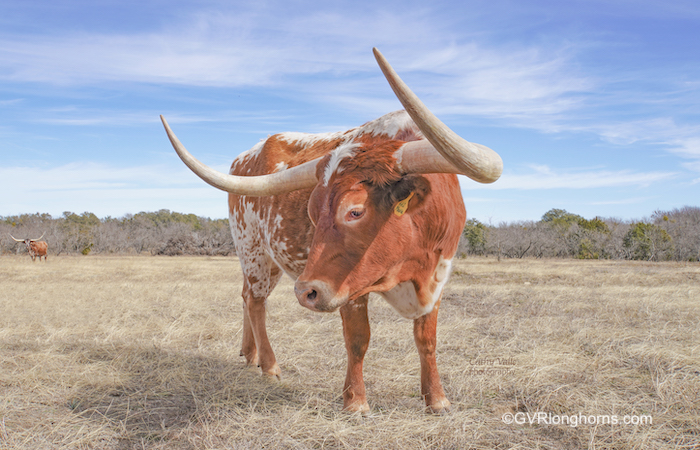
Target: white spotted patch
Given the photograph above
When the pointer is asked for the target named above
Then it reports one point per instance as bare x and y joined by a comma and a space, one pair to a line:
308, 139
257, 250
390, 125
254, 262
344, 151
247, 155
404, 298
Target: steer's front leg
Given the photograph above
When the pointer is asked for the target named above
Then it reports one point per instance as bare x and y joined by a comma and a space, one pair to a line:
356, 334
248, 348
424, 333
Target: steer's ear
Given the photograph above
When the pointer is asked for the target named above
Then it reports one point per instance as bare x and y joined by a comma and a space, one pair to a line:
407, 195
401, 206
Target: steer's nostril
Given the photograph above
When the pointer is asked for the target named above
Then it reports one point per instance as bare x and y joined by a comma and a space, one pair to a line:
313, 294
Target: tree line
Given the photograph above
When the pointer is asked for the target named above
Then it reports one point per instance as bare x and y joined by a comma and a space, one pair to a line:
666, 235
158, 233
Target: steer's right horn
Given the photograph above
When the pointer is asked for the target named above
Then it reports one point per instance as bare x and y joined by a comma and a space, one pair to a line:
18, 240
445, 151
298, 177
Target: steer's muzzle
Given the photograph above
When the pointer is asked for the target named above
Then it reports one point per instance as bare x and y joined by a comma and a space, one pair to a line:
316, 295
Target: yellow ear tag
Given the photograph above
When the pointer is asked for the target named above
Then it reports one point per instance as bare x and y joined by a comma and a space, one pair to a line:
402, 206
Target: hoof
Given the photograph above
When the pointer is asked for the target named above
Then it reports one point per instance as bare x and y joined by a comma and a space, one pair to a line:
251, 359
357, 407
441, 407
273, 372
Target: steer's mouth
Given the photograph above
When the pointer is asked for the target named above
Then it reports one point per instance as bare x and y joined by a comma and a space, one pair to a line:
318, 296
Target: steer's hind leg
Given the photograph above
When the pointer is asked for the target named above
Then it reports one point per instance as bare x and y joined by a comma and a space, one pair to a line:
356, 334
424, 333
256, 346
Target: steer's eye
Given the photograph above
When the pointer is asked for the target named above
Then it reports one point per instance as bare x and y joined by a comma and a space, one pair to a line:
354, 214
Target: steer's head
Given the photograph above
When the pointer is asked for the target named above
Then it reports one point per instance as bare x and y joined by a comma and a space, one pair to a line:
361, 210
28, 242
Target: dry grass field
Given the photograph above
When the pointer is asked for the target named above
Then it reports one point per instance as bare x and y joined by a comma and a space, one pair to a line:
105, 352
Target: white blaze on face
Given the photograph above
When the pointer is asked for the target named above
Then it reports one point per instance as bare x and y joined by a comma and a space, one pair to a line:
404, 298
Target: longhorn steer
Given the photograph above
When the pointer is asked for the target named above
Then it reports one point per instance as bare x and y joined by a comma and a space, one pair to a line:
377, 208
35, 247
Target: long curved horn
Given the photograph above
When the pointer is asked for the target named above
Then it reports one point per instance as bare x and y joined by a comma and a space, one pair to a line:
476, 161
42, 235
298, 177
18, 240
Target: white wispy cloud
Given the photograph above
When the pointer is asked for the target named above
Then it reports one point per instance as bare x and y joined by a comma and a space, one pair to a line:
539, 86
547, 178
223, 49
231, 49
104, 189
97, 176
688, 147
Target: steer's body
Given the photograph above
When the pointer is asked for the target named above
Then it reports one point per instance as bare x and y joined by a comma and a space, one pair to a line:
374, 209
405, 258
35, 247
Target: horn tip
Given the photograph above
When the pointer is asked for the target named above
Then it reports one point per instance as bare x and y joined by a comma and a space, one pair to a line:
496, 172
377, 54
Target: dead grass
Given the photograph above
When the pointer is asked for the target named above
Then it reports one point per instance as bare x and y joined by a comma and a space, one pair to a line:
142, 352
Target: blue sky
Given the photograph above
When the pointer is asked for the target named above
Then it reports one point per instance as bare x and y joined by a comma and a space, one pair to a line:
593, 105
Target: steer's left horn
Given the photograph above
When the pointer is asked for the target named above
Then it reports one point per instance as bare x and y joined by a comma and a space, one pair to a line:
38, 239
447, 152
302, 176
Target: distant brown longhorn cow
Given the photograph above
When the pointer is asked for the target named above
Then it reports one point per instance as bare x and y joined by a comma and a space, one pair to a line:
35, 247
377, 208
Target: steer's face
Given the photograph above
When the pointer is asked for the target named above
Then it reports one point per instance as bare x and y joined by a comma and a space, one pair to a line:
359, 242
